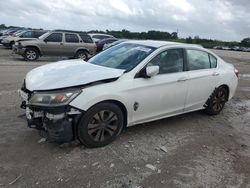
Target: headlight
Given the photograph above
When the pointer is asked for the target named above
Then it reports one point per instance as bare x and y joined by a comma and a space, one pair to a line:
53, 99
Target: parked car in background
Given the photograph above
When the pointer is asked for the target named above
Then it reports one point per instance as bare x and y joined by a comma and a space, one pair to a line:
2, 31
57, 43
100, 44
246, 49
131, 83
106, 46
10, 31
99, 36
221, 48
10, 40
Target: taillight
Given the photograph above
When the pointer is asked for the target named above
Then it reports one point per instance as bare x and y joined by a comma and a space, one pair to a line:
237, 73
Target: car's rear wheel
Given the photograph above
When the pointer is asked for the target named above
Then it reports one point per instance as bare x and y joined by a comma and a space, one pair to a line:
82, 55
31, 54
100, 125
216, 101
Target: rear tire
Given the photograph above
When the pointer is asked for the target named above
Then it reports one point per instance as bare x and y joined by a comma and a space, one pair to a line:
82, 55
100, 125
31, 54
217, 100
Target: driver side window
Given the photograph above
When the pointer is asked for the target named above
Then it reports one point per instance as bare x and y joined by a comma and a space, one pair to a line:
54, 37
169, 61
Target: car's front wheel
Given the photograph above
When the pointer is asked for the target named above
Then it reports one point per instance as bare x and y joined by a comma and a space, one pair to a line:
100, 125
216, 101
31, 54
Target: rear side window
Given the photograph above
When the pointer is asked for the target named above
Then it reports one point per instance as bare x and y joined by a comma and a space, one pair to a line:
54, 37
198, 60
86, 38
73, 38
213, 61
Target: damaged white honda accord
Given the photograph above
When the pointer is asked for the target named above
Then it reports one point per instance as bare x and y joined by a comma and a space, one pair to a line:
131, 83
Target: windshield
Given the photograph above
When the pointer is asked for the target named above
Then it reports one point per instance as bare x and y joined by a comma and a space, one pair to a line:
19, 33
124, 56
44, 35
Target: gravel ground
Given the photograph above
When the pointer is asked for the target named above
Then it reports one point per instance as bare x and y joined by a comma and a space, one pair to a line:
191, 150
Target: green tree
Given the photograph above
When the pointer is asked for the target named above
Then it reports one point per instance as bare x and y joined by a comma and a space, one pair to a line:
245, 42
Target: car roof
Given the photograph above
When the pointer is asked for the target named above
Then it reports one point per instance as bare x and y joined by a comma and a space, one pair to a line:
158, 44
102, 34
68, 31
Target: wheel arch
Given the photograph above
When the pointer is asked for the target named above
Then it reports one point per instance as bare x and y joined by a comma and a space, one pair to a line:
36, 47
121, 106
227, 89
81, 49
11, 42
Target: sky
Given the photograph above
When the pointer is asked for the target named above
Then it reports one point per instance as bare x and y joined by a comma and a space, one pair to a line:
216, 19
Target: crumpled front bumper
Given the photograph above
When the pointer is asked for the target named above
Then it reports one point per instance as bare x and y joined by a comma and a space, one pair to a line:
59, 123
19, 50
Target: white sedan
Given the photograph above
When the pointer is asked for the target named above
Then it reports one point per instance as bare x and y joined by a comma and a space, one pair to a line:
131, 83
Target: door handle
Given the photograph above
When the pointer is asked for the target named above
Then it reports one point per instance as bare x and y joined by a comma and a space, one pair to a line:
61, 43
182, 79
215, 74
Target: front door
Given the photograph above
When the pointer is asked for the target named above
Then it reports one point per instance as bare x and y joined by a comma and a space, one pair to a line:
165, 93
53, 44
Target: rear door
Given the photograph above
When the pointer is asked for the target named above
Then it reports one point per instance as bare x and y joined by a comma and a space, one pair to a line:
88, 43
202, 75
165, 93
71, 44
52, 45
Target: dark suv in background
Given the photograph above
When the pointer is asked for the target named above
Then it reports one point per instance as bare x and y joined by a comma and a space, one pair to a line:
57, 43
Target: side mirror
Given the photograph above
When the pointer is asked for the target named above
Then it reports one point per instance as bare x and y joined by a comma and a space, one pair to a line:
45, 40
152, 71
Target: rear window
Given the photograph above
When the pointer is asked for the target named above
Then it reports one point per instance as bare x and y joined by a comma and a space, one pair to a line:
73, 38
86, 38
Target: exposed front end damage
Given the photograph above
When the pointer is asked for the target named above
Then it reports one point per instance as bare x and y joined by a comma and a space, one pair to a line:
58, 122
48, 91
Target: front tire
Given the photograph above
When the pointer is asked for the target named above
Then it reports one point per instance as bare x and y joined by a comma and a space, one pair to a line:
82, 55
31, 54
100, 125
217, 100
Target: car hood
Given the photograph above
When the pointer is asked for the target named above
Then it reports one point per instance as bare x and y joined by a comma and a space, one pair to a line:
18, 39
68, 73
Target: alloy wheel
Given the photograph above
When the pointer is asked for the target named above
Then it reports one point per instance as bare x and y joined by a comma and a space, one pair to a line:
31, 55
103, 125
82, 56
219, 101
